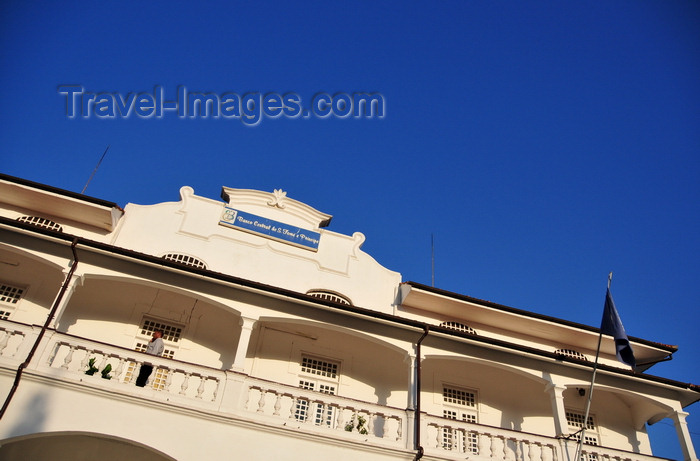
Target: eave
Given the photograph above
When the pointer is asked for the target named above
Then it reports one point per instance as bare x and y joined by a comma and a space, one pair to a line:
59, 203
521, 322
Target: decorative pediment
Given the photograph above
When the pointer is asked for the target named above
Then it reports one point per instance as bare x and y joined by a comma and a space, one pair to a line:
275, 205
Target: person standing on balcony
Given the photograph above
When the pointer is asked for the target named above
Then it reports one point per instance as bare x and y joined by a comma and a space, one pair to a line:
155, 347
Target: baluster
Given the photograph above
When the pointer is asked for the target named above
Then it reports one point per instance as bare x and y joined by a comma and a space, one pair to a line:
484, 445
200, 389
509, 449
168, 380
69, 358
86, 359
185, 384
293, 408
51, 357
383, 428
310, 414
261, 402
518, 450
4, 341
118, 371
438, 437
278, 405
339, 419
555, 455
546, 452
494, 446
527, 455
103, 364
370, 423
398, 429
216, 389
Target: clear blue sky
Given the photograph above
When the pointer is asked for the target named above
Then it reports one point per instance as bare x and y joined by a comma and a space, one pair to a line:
543, 144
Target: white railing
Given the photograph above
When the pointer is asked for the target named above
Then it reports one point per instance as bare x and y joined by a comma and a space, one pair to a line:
74, 358
12, 339
66, 357
325, 413
460, 439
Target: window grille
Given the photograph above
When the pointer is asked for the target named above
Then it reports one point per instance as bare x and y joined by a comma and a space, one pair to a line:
319, 367
323, 414
325, 383
186, 260
158, 376
171, 332
9, 296
459, 397
575, 422
460, 440
40, 222
459, 327
329, 296
571, 353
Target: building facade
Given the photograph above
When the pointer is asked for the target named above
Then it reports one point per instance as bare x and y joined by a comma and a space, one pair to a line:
283, 340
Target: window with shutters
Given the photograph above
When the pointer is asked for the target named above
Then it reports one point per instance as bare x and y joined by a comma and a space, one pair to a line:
320, 375
460, 405
9, 298
171, 336
575, 420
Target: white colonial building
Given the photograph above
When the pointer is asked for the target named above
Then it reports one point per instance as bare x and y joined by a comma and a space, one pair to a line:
283, 340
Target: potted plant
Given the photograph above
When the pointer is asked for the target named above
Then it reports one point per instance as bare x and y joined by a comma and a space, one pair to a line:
91, 367
357, 422
105, 372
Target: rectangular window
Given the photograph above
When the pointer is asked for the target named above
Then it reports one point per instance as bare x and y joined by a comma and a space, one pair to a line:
9, 297
459, 397
319, 367
171, 332
324, 379
575, 422
171, 335
464, 441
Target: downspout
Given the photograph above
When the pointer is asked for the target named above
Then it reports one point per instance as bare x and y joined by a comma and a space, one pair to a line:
40, 336
417, 444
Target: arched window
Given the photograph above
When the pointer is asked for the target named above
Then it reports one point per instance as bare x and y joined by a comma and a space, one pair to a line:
571, 353
329, 296
186, 260
40, 222
459, 327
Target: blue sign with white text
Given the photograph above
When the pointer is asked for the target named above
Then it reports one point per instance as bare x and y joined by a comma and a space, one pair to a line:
270, 228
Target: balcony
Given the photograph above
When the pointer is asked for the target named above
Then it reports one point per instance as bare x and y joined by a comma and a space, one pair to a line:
62, 360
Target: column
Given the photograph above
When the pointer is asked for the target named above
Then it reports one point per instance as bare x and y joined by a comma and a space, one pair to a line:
409, 430
686, 442
556, 393
247, 324
75, 281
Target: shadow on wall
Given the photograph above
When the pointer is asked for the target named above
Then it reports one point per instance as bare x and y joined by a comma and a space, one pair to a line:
32, 416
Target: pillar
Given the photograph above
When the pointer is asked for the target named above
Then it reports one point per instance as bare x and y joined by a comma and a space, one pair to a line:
686, 442
247, 325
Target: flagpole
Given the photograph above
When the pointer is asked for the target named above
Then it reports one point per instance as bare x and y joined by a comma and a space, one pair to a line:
579, 449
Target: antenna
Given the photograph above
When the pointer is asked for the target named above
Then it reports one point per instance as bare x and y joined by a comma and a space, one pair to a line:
95, 170
432, 260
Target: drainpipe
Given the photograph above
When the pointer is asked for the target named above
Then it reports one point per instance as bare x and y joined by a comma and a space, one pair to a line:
417, 444
40, 336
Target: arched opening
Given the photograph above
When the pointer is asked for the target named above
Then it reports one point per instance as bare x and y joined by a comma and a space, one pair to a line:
77, 446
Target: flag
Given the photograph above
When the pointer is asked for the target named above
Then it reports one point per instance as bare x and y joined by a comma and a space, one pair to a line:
612, 325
